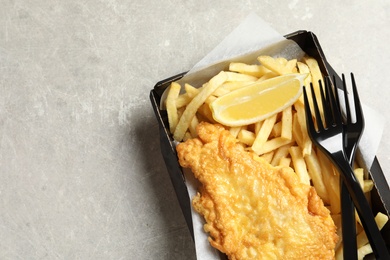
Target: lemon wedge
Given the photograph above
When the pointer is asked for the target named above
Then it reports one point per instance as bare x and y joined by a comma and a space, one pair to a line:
258, 101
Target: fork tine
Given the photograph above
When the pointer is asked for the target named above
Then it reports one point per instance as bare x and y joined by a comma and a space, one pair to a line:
326, 103
346, 100
320, 125
333, 102
310, 123
336, 89
358, 105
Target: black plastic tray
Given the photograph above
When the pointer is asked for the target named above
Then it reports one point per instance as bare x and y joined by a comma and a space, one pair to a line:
308, 42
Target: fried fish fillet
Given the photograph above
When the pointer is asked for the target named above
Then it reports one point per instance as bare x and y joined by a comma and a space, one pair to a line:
252, 209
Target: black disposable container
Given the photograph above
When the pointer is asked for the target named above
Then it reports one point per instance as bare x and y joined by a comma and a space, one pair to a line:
308, 42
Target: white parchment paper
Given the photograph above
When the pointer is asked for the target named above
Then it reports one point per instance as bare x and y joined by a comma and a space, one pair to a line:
252, 34
250, 39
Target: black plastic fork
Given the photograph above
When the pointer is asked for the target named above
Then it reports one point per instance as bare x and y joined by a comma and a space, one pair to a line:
352, 133
329, 138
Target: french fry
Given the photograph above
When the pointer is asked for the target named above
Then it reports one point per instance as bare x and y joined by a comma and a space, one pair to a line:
364, 248
290, 66
233, 85
252, 70
359, 174
173, 117
183, 100
281, 152
235, 130
299, 164
284, 162
220, 92
363, 251
233, 76
286, 131
258, 126
210, 99
205, 113
277, 66
315, 70
263, 134
246, 137
381, 220
314, 169
303, 68
195, 103
267, 156
273, 144
301, 116
268, 75
331, 182
192, 127
281, 60
190, 90
187, 136
368, 185
316, 76
297, 131
277, 130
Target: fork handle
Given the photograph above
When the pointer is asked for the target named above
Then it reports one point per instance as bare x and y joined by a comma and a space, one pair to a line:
363, 208
348, 223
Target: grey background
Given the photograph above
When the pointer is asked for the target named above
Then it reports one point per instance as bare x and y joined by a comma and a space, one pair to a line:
81, 174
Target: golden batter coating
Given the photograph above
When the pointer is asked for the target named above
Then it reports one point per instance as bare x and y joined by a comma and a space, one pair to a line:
252, 209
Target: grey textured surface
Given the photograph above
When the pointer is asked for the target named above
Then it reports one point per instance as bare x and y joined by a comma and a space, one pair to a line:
81, 175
